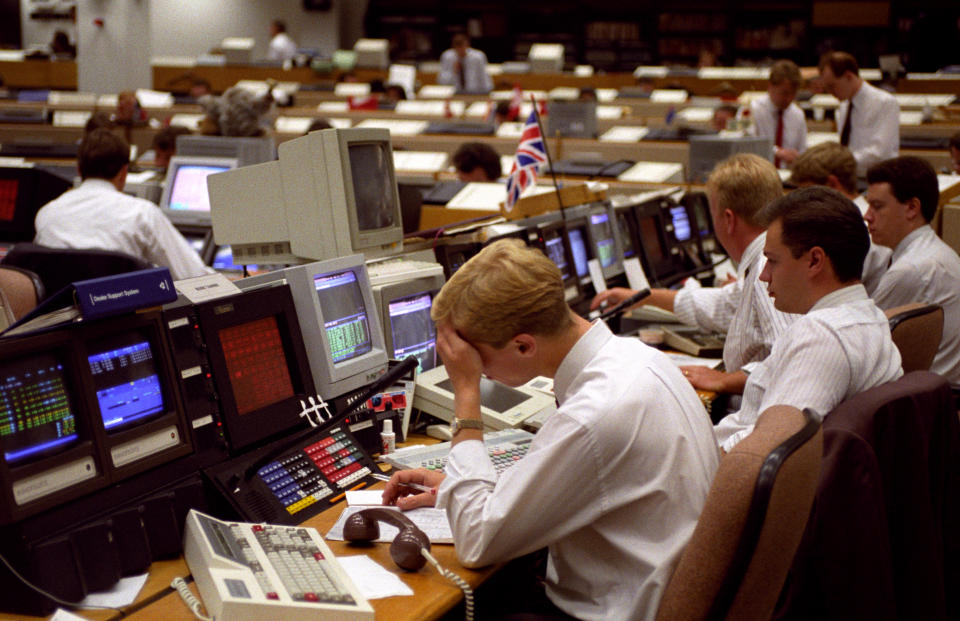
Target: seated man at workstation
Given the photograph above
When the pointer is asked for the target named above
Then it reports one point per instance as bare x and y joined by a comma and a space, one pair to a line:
737, 189
832, 164
99, 215
815, 244
776, 116
903, 195
615, 480
464, 67
868, 118
281, 46
477, 161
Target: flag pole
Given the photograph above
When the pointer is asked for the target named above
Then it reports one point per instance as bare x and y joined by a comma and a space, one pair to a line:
546, 150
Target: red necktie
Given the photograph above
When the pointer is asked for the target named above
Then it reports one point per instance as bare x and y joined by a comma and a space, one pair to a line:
778, 140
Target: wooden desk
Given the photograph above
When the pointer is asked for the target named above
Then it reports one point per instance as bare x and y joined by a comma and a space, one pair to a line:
54, 74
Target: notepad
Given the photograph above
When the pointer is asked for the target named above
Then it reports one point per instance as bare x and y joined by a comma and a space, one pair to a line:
431, 521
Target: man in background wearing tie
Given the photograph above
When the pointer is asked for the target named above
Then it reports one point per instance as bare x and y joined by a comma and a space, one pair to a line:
776, 116
868, 118
464, 67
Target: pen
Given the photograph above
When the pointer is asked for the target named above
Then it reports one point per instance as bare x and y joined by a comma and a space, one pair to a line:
340, 497
416, 486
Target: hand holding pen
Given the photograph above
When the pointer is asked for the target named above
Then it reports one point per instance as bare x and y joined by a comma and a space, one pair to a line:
409, 489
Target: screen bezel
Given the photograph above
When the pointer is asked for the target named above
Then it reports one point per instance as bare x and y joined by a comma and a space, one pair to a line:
570, 281
370, 238
669, 265
179, 161
400, 290
616, 267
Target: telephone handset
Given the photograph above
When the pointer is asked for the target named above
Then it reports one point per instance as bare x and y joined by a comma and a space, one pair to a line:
364, 526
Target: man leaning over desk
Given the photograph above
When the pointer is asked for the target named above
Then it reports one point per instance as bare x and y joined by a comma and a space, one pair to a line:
614, 482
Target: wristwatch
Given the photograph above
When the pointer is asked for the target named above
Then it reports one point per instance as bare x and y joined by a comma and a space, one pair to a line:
464, 423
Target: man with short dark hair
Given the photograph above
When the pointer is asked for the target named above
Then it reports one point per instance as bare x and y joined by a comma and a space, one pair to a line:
464, 67
99, 215
477, 161
868, 118
903, 195
815, 246
776, 116
165, 144
282, 47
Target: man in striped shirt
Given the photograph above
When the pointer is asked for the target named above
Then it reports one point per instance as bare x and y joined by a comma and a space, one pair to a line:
815, 246
738, 188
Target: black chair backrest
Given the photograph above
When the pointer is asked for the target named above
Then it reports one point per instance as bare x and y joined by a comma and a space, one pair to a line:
58, 267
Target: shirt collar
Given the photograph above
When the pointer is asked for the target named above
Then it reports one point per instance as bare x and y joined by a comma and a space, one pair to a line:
751, 254
579, 355
100, 184
846, 295
909, 239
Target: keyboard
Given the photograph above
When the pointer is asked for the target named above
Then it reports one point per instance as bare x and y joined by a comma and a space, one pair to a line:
399, 270
252, 572
504, 447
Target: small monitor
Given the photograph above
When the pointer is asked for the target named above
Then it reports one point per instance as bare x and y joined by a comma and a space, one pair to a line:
332, 193
553, 241
246, 151
125, 380
604, 242
682, 229
708, 151
404, 309
338, 321
626, 227
185, 198
452, 256
659, 260
23, 191
572, 119
698, 205
578, 240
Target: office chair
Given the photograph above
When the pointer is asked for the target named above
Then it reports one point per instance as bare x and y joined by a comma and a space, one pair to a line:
58, 267
752, 522
883, 541
916, 330
22, 289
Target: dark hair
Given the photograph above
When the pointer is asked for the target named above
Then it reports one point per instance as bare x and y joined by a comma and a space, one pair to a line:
839, 63
460, 38
102, 155
396, 88
166, 138
818, 162
318, 124
470, 155
909, 177
785, 71
823, 217
955, 141
280, 25
98, 120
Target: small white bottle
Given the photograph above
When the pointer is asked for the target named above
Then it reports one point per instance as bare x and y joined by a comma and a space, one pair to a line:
388, 439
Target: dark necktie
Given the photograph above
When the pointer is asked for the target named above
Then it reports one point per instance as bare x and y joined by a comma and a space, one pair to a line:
845, 133
778, 140
461, 75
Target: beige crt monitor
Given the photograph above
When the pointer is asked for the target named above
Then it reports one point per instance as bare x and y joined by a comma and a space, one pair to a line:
337, 194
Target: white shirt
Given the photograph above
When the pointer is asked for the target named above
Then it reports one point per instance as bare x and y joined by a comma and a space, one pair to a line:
476, 79
925, 269
742, 309
765, 116
282, 47
613, 483
96, 215
841, 347
878, 257
875, 133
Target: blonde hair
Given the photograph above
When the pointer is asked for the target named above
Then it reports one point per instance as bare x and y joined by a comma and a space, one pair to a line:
817, 163
505, 290
745, 183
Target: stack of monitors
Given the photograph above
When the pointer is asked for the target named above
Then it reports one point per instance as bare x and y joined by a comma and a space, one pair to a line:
603, 241
644, 232
552, 239
84, 407
699, 209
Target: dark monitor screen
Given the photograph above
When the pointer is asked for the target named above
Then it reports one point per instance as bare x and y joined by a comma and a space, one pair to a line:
606, 250
702, 217
681, 223
344, 315
414, 333
197, 242
626, 235
125, 379
578, 247
9, 189
493, 395
189, 191
375, 198
256, 364
37, 417
650, 238
553, 247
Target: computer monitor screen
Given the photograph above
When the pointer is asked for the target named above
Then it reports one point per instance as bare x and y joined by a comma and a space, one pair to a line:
606, 246
681, 223
578, 247
345, 315
414, 333
701, 214
256, 364
125, 379
626, 235
577, 119
23, 191
554, 248
9, 188
493, 395
189, 189
375, 199
37, 416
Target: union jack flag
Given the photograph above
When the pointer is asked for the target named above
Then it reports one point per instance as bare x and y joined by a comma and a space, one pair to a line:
531, 153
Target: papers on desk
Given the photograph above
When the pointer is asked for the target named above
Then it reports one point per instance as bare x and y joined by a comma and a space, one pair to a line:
487, 196
405, 76
71, 118
696, 114
154, 99
650, 72
123, 593
107, 101
748, 96
653, 172
605, 95
419, 161
669, 95
624, 133
190, 121
15, 162
583, 71
920, 101
63, 615
815, 138
173, 61
911, 117
433, 522
333, 106
12, 56
438, 91
684, 360
609, 113
506, 164
69, 98
351, 89
564, 92
292, 124
733, 73
510, 130
371, 578
340, 123
823, 100
871, 75
430, 108
526, 95
477, 108
397, 127
947, 181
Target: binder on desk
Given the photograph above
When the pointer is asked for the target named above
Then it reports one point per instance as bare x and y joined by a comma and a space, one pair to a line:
99, 297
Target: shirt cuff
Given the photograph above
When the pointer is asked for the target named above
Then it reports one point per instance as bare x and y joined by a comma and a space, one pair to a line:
467, 461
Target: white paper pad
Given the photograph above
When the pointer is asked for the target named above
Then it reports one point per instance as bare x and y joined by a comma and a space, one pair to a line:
624, 133
122, 594
371, 578
292, 124
351, 89
396, 127
333, 106
431, 521
365, 497
653, 172
420, 161
636, 277
668, 95
438, 91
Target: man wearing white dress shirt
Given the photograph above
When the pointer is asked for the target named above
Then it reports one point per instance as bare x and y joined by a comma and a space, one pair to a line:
282, 47
832, 165
868, 118
464, 67
816, 242
737, 190
99, 215
614, 481
776, 116
903, 196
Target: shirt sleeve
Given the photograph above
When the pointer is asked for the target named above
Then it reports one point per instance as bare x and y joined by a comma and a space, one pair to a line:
883, 130
166, 246
899, 285
709, 308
